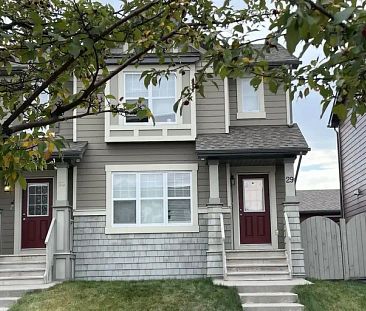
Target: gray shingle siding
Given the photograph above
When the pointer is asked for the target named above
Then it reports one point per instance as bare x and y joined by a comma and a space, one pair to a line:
137, 256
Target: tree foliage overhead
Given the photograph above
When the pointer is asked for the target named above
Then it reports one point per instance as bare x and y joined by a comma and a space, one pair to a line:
44, 43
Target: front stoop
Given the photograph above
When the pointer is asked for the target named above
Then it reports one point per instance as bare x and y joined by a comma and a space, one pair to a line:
262, 280
20, 274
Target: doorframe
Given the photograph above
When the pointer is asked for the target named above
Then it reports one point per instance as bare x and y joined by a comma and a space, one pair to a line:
253, 170
18, 215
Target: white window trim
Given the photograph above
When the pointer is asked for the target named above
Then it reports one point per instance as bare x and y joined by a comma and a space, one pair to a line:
111, 131
148, 125
158, 228
253, 170
250, 115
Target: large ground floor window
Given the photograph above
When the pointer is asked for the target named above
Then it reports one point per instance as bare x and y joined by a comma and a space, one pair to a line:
154, 197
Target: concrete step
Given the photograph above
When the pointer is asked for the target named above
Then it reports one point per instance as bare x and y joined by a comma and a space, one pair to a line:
21, 280
259, 275
19, 289
278, 297
231, 254
23, 258
262, 286
25, 265
6, 302
20, 271
257, 260
273, 307
242, 267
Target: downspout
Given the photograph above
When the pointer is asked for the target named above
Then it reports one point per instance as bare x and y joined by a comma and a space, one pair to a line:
340, 170
298, 168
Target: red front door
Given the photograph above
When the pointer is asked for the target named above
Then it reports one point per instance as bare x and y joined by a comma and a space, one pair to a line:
36, 212
254, 213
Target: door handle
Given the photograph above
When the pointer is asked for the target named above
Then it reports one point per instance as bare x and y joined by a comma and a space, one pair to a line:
23, 218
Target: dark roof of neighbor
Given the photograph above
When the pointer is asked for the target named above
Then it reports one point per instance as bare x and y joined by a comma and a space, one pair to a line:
278, 55
71, 151
253, 140
327, 201
275, 56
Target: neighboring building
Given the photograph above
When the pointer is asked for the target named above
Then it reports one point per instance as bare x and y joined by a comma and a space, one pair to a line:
352, 164
319, 203
146, 200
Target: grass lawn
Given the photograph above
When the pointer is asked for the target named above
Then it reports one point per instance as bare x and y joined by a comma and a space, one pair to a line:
333, 295
195, 295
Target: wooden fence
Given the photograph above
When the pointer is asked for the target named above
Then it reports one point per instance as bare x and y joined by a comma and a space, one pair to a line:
334, 251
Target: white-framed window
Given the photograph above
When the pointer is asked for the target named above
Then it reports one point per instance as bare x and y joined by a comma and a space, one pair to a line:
159, 98
250, 100
37, 199
151, 198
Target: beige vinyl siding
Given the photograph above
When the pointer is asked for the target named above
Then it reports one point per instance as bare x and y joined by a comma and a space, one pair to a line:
64, 128
7, 223
91, 170
274, 105
211, 108
353, 153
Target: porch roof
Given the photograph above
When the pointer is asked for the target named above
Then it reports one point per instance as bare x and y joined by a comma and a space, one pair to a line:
259, 140
71, 151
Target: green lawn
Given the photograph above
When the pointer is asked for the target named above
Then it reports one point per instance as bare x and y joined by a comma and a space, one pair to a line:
333, 295
195, 295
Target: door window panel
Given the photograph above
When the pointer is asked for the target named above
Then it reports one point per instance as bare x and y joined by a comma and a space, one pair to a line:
253, 195
38, 199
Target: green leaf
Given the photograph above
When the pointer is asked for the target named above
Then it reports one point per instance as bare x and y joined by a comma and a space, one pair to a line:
343, 15
74, 49
341, 111
22, 181
292, 37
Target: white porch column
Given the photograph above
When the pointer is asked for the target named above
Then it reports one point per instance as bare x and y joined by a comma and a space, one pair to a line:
62, 211
291, 207
213, 170
214, 252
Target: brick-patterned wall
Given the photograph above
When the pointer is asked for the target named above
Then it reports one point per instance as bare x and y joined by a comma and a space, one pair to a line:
137, 256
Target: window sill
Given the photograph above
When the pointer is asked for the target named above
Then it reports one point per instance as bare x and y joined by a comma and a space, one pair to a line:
152, 229
251, 115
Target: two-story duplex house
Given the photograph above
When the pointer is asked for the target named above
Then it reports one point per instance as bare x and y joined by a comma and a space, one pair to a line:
208, 192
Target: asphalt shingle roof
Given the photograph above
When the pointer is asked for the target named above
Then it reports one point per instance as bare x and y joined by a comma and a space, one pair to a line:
246, 140
72, 150
279, 55
319, 200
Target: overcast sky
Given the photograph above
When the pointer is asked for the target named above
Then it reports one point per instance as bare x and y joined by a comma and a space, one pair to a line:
319, 168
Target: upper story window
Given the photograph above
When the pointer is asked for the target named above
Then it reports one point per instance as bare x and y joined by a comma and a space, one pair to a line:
159, 98
250, 100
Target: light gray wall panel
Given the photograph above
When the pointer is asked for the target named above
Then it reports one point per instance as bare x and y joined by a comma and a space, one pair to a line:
275, 107
211, 109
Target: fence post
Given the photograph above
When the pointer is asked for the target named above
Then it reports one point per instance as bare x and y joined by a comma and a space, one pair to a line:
344, 244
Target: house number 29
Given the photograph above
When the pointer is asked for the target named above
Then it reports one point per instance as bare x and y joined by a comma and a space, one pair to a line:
289, 180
